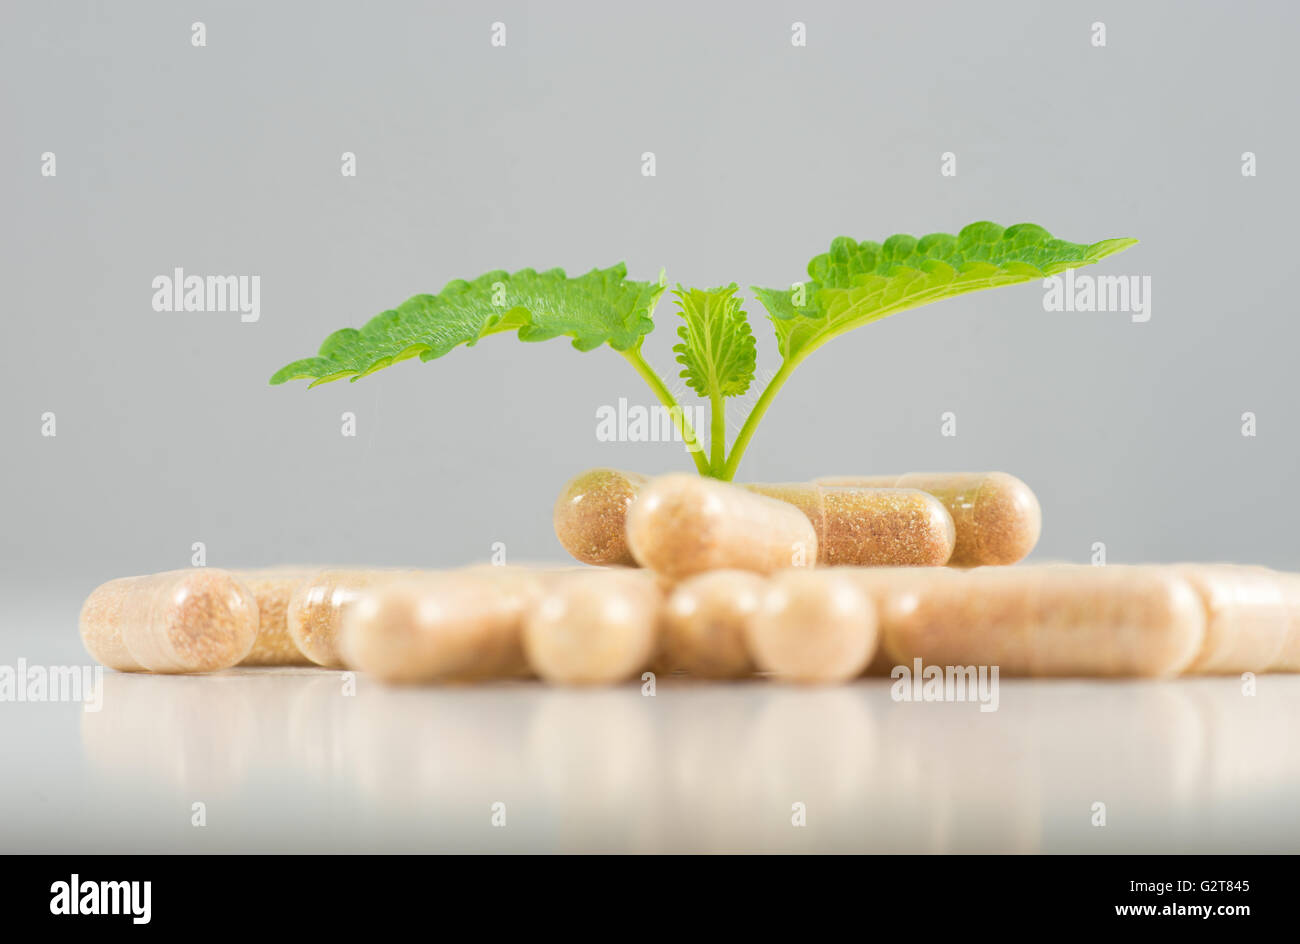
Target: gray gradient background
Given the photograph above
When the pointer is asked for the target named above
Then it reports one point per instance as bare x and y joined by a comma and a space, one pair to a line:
226, 160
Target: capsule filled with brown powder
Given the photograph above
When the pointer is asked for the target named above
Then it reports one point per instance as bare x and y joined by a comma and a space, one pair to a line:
1054, 620
682, 525
591, 513
317, 607
997, 517
200, 620
871, 527
863, 527
273, 589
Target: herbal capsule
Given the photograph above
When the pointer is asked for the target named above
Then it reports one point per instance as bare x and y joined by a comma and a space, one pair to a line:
590, 515
686, 524
1288, 658
1057, 620
1247, 618
594, 628
996, 515
881, 584
855, 526
872, 527
273, 590
703, 629
451, 626
316, 609
812, 626
199, 620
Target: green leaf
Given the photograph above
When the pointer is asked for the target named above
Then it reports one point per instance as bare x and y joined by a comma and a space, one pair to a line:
717, 349
601, 307
859, 282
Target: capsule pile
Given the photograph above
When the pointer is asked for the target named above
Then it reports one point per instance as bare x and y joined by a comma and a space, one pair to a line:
815, 582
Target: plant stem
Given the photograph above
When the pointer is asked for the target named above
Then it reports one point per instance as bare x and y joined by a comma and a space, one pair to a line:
717, 434
728, 471
665, 397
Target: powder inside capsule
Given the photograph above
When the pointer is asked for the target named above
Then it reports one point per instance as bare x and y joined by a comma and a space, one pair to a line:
591, 512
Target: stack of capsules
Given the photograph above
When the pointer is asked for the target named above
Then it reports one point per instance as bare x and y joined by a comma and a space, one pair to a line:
812, 582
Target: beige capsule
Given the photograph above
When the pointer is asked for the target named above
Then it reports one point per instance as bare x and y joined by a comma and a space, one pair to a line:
682, 525
273, 589
813, 626
871, 527
1247, 618
317, 608
863, 527
441, 627
997, 516
1057, 620
200, 620
1288, 657
591, 513
881, 585
594, 628
703, 629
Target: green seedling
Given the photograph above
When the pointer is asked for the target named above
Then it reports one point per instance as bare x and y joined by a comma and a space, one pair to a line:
853, 284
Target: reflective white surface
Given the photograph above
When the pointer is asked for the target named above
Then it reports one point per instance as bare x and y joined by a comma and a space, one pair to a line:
284, 760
